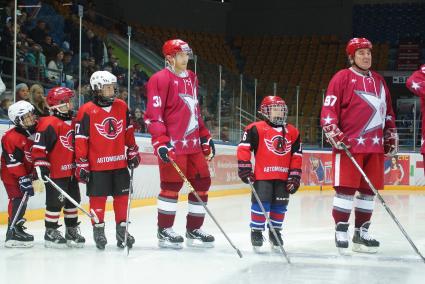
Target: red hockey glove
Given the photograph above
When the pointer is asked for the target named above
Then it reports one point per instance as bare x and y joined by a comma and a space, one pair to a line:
208, 147
294, 180
166, 152
390, 142
42, 169
82, 172
335, 136
25, 185
133, 157
245, 171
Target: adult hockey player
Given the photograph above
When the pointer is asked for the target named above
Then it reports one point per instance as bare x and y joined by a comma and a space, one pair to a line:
102, 133
277, 174
416, 84
178, 132
53, 156
357, 111
16, 169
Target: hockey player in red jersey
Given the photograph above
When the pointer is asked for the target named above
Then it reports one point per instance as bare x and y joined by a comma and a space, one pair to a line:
16, 168
278, 160
358, 112
53, 156
102, 134
178, 132
416, 84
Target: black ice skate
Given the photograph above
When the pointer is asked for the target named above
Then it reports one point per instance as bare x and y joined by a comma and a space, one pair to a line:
257, 240
363, 242
341, 237
99, 235
199, 238
275, 243
73, 237
17, 237
53, 238
120, 234
167, 238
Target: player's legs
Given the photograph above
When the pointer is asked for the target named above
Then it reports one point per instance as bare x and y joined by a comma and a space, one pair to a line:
264, 189
72, 233
278, 208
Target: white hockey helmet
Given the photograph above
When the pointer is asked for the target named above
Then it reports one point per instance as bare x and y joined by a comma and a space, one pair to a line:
18, 110
99, 79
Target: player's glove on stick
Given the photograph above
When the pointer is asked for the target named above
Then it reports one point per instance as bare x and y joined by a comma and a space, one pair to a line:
82, 172
293, 182
335, 136
245, 171
166, 152
133, 157
42, 169
390, 142
208, 147
25, 185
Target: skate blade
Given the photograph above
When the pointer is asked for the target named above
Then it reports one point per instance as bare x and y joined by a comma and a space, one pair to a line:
48, 244
121, 244
194, 243
18, 244
258, 249
364, 249
275, 248
344, 251
167, 244
73, 244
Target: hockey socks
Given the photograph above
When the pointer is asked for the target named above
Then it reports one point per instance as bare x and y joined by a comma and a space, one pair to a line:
258, 220
97, 203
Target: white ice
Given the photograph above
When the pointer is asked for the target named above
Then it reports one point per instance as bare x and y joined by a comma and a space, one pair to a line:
308, 237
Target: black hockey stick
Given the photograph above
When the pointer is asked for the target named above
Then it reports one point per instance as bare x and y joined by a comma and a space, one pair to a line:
92, 215
15, 218
269, 222
192, 190
344, 147
130, 194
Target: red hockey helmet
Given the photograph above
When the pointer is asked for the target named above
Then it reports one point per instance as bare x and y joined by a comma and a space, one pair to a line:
173, 46
357, 43
274, 109
58, 96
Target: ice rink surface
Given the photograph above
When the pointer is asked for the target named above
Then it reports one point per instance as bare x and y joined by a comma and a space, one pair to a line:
308, 237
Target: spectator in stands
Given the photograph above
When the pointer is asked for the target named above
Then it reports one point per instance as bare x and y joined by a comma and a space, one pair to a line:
138, 76
6, 45
93, 46
22, 92
137, 121
50, 49
4, 107
37, 61
2, 86
38, 100
39, 33
55, 69
123, 95
69, 67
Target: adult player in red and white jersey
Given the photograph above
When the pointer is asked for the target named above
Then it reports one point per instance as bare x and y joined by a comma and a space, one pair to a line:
53, 156
416, 84
16, 169
102, 133
278, 160
358, 112
178, 132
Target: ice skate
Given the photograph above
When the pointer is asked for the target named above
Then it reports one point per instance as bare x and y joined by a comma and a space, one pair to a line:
257, 240
73, 237
99, 235
17, 237
167, 238
275, 243
54, 239
199, 238
120, 234
341, 237
363, 242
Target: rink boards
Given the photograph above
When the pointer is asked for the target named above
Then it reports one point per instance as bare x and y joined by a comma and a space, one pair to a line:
317, 175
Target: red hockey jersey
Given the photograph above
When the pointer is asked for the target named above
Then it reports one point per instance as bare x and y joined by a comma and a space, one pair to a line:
277, 151
101, 135
172, 112
416, 84
16, 156
54, 143
361, 107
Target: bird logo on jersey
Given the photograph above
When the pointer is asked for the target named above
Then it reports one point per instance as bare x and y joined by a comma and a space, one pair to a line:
278, 145
110, 127
67, 140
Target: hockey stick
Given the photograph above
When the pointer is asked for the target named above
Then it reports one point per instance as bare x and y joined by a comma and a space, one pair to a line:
15, 218
192, 190
344, 147
92, 215
130, 193
269, 222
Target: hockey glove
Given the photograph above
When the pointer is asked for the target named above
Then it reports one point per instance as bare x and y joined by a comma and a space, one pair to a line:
335, 136
390, 142
293, 182
42, 169
245, 171
25, 185
208, 147
133, 157
82, 172
166, 152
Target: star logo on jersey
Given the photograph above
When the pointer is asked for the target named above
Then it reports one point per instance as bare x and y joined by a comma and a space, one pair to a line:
191, 103
278, 145
415, 86
67, 140
377, 103
110, 127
